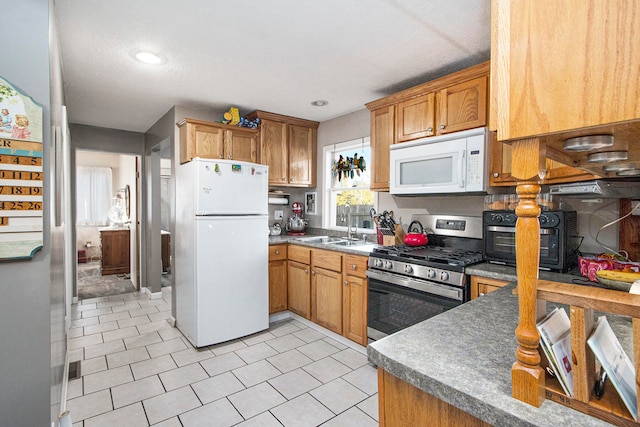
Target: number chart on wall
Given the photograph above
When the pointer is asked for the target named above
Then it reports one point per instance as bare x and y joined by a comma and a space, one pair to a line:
21, 175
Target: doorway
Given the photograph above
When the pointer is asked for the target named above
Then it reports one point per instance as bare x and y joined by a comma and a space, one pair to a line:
107, 195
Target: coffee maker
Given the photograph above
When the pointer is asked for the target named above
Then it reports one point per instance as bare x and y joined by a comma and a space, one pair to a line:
296, 223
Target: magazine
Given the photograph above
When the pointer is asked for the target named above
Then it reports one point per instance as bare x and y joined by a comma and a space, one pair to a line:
616, 363
555, 334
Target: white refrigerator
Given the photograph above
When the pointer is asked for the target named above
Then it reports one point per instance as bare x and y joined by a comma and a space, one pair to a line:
222, 250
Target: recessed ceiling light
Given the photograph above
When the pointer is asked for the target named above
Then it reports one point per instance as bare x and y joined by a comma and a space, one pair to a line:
319, 103
148, 58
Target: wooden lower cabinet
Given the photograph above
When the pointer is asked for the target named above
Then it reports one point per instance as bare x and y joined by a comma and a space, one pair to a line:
277, 278
326, 299
401, 404
354, 299
116, 253
299, 289
326, 289
483, 285
329, 288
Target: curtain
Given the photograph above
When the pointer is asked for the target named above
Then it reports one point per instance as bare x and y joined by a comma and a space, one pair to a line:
93, 195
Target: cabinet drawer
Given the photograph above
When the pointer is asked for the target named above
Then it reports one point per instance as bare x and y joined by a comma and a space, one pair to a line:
355, 265
331, 260
300, 254
277, 252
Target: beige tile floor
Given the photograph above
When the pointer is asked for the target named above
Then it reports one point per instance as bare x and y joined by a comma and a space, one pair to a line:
138, 371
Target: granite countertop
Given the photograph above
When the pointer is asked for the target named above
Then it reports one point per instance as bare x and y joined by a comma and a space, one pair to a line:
507, 273
464, 357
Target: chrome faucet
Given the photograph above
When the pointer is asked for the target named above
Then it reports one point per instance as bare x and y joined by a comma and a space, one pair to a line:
349, 231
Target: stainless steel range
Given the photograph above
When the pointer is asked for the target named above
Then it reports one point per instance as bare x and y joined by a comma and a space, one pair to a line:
409, 284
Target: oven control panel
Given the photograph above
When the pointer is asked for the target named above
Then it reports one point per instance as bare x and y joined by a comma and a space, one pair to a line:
418, 271
509, 218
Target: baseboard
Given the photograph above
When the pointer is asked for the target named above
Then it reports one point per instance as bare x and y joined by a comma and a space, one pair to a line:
152, 295
283, 315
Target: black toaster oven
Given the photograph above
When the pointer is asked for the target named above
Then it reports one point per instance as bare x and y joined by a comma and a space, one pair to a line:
558, 240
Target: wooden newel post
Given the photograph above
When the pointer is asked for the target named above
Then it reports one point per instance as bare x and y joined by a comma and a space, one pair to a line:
527, 377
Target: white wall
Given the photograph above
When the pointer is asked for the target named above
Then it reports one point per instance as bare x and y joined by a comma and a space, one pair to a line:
32, 305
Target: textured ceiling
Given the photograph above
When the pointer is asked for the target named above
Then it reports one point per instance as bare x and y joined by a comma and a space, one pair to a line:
273, 55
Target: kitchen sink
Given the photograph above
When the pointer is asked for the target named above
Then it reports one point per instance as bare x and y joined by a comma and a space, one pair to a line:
349, 243
321, 239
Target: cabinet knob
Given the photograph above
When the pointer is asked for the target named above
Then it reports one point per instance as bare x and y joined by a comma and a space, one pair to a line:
230, 157
221, 156
313, 273
277, 252
441, 126
496, 174
429, 129
346, 283
353, 266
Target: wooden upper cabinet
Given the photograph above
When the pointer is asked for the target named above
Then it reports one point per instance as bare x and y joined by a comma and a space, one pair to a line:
273, 150
198, 139
288, 147
241, 145
211, 140
302, 155
463, 106
573, 73
416, 117
382, 136
451, 103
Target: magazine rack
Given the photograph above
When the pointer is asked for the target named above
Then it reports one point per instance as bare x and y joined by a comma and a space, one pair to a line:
583, 302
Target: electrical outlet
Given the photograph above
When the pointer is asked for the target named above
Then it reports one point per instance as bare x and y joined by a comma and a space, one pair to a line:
278, 214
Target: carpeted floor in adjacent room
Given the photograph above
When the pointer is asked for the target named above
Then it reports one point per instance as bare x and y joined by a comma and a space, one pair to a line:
91, 283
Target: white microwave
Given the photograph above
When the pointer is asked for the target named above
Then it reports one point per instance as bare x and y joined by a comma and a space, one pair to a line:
452, 163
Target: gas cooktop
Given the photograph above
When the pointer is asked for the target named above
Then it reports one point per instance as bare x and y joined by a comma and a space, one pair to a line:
435, 254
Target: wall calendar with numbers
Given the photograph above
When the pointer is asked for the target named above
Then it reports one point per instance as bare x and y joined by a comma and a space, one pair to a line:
21, 174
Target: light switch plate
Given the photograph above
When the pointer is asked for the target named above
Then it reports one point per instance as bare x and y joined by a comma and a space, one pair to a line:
278, 214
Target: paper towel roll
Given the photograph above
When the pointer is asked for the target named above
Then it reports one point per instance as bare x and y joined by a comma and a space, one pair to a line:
278, 201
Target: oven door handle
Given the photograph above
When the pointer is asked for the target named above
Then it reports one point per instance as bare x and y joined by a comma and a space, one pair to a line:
513, 229
417, 284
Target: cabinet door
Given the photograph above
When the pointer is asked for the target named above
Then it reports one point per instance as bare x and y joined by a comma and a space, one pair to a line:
354, 309
483, 285
416, 117
299, 289
302, 155
241, 145
463, 106
587, 78
382, 136
326, 301
274, 151
277, 286
198, 140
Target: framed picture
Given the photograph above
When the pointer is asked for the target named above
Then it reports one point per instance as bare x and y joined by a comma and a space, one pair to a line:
310, 203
